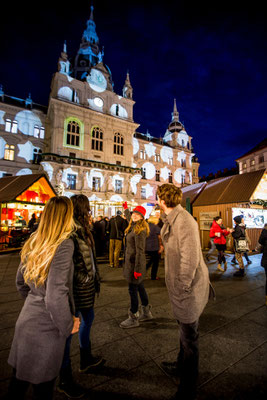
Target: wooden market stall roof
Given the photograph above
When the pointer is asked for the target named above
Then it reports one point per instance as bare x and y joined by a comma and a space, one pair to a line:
192, 192
232, 189
12, 187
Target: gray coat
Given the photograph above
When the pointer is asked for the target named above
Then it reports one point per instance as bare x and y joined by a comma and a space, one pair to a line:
45, 320
186, 274
135, 254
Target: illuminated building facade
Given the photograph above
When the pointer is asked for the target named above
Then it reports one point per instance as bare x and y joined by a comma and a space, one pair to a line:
92, 144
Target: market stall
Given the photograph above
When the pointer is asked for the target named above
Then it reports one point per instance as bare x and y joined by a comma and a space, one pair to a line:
20, 198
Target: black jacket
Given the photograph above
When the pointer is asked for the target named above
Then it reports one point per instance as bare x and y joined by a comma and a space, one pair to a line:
263, 242
121, 224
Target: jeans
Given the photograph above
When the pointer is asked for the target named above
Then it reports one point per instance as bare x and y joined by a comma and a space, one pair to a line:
87, 318
188, 358
245, 255
153, 258
134, 289
18, 388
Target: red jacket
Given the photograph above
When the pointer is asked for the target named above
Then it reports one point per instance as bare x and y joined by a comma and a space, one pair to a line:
216, 228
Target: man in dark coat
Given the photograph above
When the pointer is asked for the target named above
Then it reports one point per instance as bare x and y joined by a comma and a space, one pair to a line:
117, 226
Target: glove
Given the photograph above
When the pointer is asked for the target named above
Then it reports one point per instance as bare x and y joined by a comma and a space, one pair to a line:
137, 274
124, 205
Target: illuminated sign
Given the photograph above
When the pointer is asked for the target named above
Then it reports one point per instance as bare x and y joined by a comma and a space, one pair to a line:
253, 218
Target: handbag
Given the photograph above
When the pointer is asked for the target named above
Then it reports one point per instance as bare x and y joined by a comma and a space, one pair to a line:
241, 245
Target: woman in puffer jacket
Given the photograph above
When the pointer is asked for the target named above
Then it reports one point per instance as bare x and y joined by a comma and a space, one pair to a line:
219, 234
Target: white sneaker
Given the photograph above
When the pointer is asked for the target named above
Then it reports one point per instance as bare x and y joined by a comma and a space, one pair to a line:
131, 321
145, 313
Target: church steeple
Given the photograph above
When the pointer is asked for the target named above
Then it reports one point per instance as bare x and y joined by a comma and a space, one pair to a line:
175, 125
175, 114
127, 90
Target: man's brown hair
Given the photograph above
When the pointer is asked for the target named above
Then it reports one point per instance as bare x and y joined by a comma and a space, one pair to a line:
171, 194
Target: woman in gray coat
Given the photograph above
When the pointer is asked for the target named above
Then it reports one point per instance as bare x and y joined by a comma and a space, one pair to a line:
134, 269
44, 279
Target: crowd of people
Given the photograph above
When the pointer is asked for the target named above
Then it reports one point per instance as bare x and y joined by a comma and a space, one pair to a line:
59, 278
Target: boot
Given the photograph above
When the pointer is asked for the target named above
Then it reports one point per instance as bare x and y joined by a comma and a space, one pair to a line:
67, 385
131, 321
145, 313
240, 272
225, 266
219, 268
87, 360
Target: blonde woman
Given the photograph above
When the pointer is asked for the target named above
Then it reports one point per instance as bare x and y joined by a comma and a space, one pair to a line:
44, 279
135, 265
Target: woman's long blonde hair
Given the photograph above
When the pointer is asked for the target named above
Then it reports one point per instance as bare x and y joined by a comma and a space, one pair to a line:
139, 226
55, 226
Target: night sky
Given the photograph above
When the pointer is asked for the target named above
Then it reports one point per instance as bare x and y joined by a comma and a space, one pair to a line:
210, 56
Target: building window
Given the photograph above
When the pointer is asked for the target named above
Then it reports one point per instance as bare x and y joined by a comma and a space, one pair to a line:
118, 186
143, 173
141, 154
194, 172
143, 193
97, 139
157, 157
42, 132
36, 131
244, 165
8, 125
9, 152
183, 163
14, 128
96, 184
118, 144
170, 161
252, 162
157, 175
71, 179
170, 177
73, 134
261, 159
72, 155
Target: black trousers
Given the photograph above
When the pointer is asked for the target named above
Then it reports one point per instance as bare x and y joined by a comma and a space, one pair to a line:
134, 289
188, 359
18, 388
153, 259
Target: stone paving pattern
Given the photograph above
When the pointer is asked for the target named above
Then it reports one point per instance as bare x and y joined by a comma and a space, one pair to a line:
233, 337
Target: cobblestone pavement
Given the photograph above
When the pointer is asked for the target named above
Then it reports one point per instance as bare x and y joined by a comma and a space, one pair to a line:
233, 337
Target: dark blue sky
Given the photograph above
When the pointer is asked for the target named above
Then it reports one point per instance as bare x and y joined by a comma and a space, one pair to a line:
210, 56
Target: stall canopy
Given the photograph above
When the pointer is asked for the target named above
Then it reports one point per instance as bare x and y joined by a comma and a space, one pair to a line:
33, 188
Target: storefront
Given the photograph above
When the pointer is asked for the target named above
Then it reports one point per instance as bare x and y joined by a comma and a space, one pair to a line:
20, 198
244, 194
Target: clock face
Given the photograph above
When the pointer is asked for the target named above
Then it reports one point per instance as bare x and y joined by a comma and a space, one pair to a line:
98, 102
97, 81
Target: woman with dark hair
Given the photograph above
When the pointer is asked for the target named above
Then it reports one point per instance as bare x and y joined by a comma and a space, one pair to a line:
86, 283
134, 269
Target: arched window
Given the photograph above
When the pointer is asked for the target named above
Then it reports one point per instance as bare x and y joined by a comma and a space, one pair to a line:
73, 133
9, 152
118, 144
97, 139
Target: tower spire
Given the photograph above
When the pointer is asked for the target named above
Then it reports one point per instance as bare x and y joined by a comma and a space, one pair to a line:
175, 114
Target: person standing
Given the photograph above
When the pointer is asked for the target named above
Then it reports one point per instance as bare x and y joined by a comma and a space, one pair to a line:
238, 233
86, 284
44, 279
117, 226
188, 285
219, 234
154, 246
212, 248
134, 268
263, 244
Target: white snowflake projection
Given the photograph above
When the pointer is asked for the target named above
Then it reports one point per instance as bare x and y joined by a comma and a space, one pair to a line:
26, 150
181, 156
65, 93
134, 165
166, 153
116, 198
134, 181
68, 194
190, 177
2, 147
148, 190
64, 67
2, 121
118, 111
182, 138
24, 171
164, 173
135, 146
97, 174
27, 121
96, 106
94, 198
179, 174
2, 173
117, 178
150, 149
150, 170
66, 172
190, 158
167, 136
48, 169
